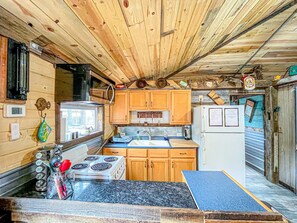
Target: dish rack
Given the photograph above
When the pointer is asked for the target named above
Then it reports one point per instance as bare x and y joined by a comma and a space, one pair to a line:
123, 139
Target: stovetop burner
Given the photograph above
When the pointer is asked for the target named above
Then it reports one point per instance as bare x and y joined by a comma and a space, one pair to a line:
110, 159
79, 166
101, 166
91, 158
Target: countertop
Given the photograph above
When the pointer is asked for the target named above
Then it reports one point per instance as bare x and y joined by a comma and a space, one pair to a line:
215, 190
205, 190
182, 143
163, 194
174, 143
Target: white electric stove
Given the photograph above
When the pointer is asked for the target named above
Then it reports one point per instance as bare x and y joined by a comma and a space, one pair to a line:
95, 166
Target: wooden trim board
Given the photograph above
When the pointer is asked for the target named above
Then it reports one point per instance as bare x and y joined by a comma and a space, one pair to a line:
248, 192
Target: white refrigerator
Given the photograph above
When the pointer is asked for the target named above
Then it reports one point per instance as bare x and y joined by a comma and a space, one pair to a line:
219, 131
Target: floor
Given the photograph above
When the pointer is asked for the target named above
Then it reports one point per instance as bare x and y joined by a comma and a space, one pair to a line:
280, 198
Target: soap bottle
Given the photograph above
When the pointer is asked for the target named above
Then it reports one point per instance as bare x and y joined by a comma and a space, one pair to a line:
138, 136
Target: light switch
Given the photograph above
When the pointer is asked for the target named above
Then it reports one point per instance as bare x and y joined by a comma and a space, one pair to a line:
15, 131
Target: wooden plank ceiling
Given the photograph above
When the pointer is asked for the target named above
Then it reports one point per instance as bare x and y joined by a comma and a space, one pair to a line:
132, 39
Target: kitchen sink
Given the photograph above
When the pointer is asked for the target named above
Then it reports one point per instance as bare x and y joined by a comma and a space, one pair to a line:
149, 143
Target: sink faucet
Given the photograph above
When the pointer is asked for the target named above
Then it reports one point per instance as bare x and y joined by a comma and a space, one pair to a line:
148, 133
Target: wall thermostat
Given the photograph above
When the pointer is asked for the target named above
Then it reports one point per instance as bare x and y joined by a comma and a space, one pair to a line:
10, 111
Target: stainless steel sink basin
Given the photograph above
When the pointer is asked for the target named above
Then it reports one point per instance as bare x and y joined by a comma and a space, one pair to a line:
149, 143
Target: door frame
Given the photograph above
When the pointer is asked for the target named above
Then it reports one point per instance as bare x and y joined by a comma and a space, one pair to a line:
295, 189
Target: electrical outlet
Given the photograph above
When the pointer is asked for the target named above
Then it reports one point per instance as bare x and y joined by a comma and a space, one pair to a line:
200, 98
15, 131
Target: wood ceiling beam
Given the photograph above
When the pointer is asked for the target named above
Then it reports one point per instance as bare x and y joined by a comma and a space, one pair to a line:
266, 41
196, 59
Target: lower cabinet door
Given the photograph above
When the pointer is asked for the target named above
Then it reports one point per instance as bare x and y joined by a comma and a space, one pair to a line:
158, 169
178, 165
137, 168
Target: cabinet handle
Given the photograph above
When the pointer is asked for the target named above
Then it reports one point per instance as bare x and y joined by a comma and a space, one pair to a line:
146, 104
172, 164
182, 153
151, 104
125, 117
115, 152
145, 164
172, 118
152, 164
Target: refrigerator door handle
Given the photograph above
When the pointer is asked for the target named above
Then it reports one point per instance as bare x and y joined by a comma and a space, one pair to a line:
203, 156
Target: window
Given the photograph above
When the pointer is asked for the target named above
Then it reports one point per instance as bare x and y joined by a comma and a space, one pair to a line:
79, 120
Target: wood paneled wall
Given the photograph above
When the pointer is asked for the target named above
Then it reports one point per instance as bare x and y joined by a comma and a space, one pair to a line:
20, 152
108, 128
286, 101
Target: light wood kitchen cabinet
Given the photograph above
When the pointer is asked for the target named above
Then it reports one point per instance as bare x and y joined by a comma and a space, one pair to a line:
158, 169
159, 100
137, 152
182, 153
139, 100
149, 100
180, 107
119, 111
137, 168
156, 164
177, 102
115, 152
178, 165
142, 167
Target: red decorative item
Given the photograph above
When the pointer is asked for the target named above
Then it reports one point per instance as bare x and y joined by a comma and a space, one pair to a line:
65, 165
120, 86
126, 3
243, 77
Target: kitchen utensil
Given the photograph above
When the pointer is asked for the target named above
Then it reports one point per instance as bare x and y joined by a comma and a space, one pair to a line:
55, 162
65, 165
141, 83
161, 83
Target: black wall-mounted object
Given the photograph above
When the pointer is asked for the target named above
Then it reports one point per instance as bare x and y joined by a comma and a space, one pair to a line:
82, 83
17, 70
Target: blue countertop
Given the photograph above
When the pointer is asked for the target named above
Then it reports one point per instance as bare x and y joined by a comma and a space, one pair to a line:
214, 190
125, 145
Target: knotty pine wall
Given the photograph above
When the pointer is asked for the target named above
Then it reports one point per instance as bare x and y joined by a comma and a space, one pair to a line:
20, 152
108, 128
42, 84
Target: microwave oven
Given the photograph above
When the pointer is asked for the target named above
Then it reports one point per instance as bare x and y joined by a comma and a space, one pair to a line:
82, 83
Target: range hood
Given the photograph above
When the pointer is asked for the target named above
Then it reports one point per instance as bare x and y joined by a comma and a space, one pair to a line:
82, 83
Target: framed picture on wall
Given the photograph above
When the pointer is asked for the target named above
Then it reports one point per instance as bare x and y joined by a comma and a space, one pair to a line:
249, 109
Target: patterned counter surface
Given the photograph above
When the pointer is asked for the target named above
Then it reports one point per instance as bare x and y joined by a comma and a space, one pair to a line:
216, 191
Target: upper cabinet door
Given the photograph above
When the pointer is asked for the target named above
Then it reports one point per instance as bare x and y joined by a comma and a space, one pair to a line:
159, 100
180, 107
119, 111
139, 100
